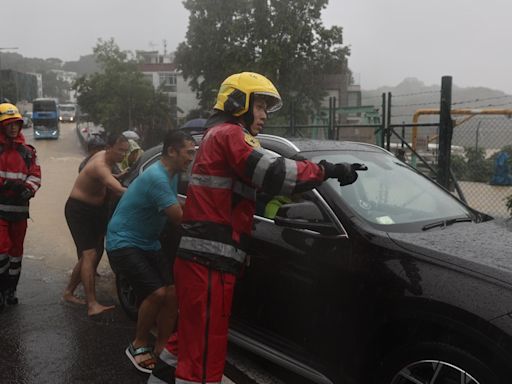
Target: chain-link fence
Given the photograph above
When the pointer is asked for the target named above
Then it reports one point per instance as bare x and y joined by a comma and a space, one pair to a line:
481, 161
481, 158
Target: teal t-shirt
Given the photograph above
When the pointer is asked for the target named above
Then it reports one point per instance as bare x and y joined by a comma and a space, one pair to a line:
139, 217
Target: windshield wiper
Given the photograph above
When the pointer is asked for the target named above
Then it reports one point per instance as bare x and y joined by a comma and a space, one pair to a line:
445, 223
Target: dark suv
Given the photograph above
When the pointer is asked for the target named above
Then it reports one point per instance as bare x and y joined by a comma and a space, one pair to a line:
388, 280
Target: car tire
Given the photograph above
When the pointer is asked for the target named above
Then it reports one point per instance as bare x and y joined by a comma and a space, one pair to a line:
436, 363
127, 298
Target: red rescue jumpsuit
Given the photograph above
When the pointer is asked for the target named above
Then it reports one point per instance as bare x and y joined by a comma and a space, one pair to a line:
217, 223
18, 165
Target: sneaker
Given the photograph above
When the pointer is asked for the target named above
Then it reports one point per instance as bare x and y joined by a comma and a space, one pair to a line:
10, 297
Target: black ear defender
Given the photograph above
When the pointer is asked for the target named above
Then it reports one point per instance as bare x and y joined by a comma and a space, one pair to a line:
235, 102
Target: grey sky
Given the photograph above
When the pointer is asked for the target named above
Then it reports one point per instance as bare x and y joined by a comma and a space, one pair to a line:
390, 39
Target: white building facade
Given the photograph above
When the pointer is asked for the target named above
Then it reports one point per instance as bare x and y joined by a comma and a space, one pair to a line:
160, 70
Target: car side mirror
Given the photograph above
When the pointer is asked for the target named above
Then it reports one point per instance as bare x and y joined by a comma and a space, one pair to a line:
304, 215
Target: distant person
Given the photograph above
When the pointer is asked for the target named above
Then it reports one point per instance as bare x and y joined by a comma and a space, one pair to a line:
87, 213
134, 249
20, 178
134, 154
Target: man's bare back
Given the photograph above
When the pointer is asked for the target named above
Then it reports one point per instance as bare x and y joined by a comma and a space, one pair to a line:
91, 184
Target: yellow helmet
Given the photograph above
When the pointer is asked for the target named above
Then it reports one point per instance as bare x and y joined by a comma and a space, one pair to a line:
9, 113
235, 93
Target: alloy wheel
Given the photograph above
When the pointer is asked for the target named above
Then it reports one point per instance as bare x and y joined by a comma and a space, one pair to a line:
433, 372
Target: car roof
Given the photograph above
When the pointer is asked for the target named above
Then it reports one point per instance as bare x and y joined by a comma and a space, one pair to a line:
291, 146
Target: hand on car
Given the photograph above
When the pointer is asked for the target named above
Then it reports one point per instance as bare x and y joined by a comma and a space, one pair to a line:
345, 173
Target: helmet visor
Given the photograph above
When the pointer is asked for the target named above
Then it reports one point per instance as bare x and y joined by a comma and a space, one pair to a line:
274, 102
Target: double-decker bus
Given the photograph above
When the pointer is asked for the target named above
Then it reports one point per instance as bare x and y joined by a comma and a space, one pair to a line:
45, 117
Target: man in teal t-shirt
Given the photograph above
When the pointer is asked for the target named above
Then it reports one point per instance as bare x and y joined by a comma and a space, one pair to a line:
133, 245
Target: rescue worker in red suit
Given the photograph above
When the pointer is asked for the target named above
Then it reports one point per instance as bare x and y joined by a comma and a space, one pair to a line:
20, 178
217, 222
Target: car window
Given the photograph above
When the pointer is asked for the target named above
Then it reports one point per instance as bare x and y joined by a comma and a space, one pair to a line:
390, 192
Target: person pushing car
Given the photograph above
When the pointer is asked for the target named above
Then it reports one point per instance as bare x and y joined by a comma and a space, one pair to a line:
229, 167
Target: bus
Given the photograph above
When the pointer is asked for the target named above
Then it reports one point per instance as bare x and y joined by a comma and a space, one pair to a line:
45, 117
67, 112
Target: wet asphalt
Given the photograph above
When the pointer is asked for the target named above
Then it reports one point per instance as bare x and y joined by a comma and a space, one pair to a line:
45, 340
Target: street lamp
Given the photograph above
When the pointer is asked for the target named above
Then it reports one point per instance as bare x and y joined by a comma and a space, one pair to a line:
1, 87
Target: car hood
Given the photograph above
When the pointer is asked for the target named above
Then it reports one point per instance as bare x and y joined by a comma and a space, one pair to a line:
484, 247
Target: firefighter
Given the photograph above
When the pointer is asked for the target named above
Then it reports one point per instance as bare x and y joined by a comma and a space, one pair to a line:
20, 178
217, 222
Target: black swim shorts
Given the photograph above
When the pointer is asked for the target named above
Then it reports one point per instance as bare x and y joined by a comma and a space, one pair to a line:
87, 223
145, 271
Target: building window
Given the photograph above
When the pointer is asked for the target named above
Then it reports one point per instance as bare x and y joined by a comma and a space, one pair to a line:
168, 81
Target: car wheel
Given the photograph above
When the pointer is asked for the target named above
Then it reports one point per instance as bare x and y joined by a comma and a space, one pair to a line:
435, 363
127, 297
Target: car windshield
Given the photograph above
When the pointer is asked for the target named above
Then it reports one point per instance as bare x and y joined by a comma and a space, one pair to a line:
390, 192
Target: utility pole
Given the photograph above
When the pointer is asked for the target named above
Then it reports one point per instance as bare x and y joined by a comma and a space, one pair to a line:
1, 85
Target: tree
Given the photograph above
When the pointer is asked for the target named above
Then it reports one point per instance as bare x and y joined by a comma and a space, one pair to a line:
119, 98
54, 87
284, 40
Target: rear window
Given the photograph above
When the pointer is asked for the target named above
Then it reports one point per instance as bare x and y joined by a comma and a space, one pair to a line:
44, 106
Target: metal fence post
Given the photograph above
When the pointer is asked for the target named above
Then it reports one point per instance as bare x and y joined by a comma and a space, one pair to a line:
445, 132
333, 117
388, 128
380, 137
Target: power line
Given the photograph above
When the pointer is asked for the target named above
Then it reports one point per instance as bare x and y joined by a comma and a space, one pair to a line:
415, 94
414, 105
479, 100
404, 94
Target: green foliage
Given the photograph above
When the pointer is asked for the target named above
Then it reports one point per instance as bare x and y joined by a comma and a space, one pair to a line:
473, 166
459, 167
284, 40
479, 168
509, 204
53, 87
119, 98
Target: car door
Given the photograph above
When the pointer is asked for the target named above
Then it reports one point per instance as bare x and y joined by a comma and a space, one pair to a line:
277, 295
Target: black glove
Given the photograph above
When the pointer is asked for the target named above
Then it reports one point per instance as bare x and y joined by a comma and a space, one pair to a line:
9, 185
344, 172
26, 193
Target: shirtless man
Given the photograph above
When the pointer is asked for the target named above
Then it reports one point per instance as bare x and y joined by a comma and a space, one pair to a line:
87, 215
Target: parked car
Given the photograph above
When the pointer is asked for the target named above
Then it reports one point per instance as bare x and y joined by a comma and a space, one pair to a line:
389, 280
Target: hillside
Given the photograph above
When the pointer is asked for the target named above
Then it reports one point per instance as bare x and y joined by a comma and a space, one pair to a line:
412, 94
